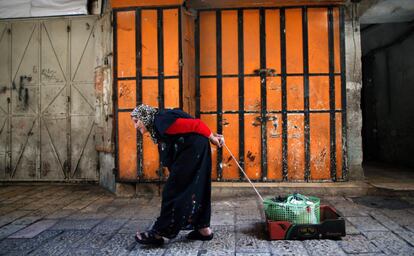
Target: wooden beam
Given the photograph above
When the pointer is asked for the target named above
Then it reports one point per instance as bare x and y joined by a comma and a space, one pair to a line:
208, 4
144, 3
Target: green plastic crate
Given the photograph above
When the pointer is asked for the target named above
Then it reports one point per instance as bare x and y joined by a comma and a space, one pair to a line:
300, 213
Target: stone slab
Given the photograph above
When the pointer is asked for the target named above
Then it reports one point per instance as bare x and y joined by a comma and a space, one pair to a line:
286, 247
75, 224
250, 238
10, 229
366, 224
119, 244
389, 243
358, 244
34, 229
224, 239
323, 247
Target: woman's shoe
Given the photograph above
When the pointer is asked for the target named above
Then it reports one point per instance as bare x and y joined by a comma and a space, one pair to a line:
149, 238
195, 235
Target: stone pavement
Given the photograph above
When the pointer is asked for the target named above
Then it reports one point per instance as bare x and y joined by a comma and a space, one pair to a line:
87, 220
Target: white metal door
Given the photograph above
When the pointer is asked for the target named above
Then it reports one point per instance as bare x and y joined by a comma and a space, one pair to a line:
47, 113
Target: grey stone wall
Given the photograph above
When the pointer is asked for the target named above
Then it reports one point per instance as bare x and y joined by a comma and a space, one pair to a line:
353, 92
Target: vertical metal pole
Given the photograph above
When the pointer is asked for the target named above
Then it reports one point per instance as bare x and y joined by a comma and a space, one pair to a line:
197, 63
343, 94
138, 84
219, 92
180, 60
306, 92
241, 88
284, 95
160, 42
115, 90
263, 95
332, 119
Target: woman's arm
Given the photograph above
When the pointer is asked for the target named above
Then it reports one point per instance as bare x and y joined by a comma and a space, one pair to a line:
187, 125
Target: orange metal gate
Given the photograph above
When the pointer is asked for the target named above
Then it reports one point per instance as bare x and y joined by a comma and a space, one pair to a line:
147, 69
272, 80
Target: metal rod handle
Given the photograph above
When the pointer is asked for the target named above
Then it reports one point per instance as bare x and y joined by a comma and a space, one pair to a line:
243, 171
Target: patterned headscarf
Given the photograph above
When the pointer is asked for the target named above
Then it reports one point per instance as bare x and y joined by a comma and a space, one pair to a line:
146, 114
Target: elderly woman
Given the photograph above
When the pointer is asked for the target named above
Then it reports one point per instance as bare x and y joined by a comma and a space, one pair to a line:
183, 145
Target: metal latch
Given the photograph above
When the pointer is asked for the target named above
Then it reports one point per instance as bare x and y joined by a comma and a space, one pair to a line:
266, 71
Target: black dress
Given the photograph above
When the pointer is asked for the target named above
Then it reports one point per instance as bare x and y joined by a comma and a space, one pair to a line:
186, 197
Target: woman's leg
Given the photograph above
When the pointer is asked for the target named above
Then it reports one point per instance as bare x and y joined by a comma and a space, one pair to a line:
187, 193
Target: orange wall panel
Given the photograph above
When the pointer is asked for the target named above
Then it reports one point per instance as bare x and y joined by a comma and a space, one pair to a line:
318, 40
127, 147
208, 92
171, 48
126, 94
230, 93
150, 92
125, 31
274, 147
319, 93
251, 34
294, 91
149, 42
252, 98
231, 135
252, 142
319, 146
296, 147
208, 64
274, 93
150, 158
273, 40
338, 93
294, 41
338, 131
229, 37
337, 38
171, 93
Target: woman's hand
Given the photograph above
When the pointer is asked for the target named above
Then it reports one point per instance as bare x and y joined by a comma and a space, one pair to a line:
216, 139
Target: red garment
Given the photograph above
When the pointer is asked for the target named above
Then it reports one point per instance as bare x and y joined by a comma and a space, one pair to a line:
187, 125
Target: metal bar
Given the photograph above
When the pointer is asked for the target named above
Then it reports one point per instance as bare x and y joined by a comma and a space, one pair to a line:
115, 94
197, 64
284, 95
156, 77
138, 84
180, 61
263, 101
332, 118
219, 92
274, 75
307, 174
343, 95
270, 7
160, 42
240, 35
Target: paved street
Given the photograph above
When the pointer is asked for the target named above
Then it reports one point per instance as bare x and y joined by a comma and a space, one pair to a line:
87, 220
